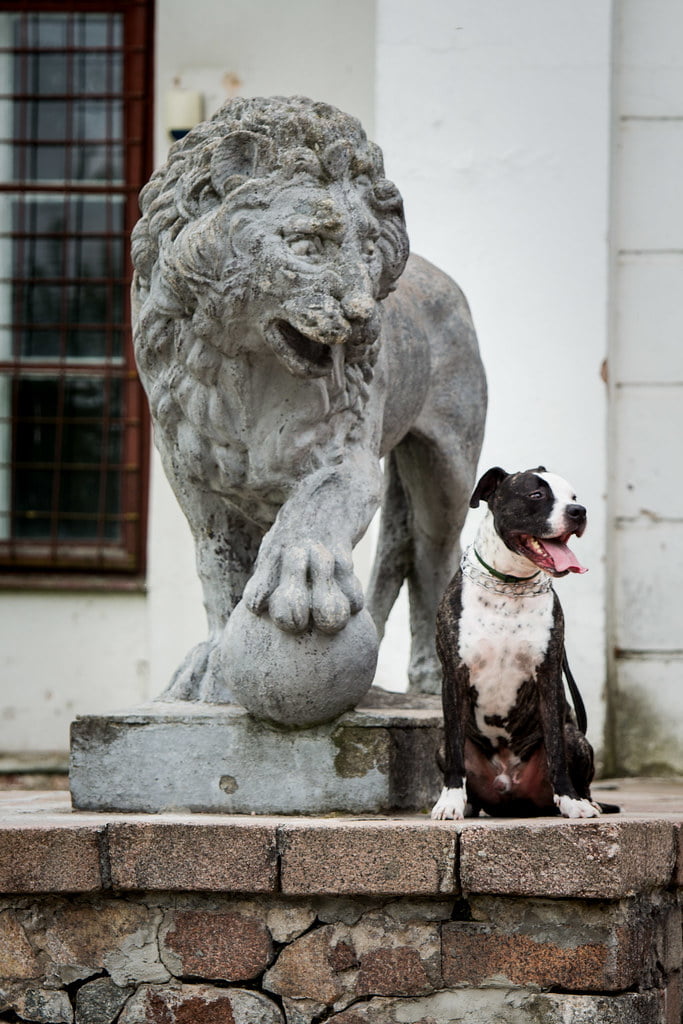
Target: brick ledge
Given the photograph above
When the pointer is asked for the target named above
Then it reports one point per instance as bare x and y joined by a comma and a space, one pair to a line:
45, 847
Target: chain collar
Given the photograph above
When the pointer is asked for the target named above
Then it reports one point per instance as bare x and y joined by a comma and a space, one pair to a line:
529, 587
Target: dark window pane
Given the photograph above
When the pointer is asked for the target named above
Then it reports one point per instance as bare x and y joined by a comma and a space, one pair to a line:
68, 448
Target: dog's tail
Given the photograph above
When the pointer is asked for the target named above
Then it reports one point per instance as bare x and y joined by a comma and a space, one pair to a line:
582, 721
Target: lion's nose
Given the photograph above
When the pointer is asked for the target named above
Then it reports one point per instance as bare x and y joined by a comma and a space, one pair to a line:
358, 305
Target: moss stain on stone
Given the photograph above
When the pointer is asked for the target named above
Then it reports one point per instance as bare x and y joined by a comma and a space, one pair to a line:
360, 751
644, 744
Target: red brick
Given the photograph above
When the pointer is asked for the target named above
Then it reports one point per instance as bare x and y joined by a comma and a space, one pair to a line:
51, 858
597, 859
474, 953
233, 856
347, 857
225, 946
198, 1004
394, 972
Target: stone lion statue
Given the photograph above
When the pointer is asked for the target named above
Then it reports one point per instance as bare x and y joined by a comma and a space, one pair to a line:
287, 344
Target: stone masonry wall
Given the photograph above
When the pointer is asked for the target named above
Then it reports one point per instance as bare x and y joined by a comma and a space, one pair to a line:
298, 921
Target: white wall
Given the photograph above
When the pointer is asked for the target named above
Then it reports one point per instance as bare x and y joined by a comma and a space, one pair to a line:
646, 382
494, 121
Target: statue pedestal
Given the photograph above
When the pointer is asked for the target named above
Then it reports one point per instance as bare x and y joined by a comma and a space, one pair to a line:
216, 758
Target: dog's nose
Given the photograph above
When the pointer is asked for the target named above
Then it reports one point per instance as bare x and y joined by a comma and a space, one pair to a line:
577, 513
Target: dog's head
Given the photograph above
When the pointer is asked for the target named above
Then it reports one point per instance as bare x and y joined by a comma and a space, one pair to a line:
534, 513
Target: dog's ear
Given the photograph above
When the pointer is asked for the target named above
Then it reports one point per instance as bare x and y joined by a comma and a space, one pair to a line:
487, 486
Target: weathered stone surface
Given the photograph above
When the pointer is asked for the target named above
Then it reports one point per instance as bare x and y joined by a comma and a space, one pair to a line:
495, 1006
199, 1004
297, 678
50, 859
43, 1005
597, 859
234, 856
335, 964
182, 756
286, 922
100, 1001
290, 382
581, 947
17, 957
214, 945
82, 939
368, 858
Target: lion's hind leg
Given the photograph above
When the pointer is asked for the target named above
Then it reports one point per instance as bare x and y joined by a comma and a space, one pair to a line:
394, 553
426, 502
226, 546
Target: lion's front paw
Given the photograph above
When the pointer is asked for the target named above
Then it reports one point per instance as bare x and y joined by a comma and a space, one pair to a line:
304, 582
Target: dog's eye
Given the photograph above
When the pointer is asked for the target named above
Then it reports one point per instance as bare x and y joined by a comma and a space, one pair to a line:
535, 495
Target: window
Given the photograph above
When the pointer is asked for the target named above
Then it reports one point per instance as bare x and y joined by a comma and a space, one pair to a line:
75, 149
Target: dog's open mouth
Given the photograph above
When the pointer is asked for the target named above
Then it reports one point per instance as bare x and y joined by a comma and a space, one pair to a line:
303, 356
550, 553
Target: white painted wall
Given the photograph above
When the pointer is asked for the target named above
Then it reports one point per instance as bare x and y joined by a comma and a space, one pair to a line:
494, 121
646, 385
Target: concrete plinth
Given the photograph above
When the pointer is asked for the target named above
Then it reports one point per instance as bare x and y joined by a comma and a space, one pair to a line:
217, 758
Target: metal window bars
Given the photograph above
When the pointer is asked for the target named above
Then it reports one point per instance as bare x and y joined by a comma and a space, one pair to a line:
75, 149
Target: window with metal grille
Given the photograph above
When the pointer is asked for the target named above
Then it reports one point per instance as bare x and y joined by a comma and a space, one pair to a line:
75, 149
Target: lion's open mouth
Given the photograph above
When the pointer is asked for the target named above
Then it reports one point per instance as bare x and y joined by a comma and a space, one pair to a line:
301, 355
549, 553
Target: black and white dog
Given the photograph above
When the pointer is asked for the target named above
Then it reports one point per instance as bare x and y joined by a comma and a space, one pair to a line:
512, 745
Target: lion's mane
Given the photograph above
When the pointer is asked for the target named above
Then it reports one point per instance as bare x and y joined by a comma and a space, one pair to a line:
185, 280
233, 161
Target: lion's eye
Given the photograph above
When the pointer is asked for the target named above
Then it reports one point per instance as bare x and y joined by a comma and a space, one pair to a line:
306, 245
369, 247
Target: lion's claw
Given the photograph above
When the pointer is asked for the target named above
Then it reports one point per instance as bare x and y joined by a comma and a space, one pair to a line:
304, 582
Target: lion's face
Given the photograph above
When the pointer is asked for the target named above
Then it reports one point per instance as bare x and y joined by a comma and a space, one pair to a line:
315, 272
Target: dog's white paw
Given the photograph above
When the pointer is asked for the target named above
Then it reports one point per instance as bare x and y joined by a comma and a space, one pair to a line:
570, 807
451, 804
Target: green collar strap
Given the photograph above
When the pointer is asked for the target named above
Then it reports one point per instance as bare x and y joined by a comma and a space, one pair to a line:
504, 576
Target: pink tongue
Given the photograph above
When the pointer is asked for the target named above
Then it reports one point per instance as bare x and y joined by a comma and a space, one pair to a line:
563, 557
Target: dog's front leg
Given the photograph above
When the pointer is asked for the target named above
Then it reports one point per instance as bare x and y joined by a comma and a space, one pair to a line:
452, 802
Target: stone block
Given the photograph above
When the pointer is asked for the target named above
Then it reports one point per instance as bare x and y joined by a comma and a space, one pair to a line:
84, 938
43, 1005
335, 964
594, 859
467, 1006
18, 960
194, 854
368, 858
199, 1004
576, 946
52, 858
223, 946
217, 758
100, 1001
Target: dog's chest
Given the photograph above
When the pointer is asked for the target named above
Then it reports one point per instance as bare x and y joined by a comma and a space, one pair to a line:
503, 641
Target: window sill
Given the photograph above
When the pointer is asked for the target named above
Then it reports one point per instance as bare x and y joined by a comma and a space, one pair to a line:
73, 582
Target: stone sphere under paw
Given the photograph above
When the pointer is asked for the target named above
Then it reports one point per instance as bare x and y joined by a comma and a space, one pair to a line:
297, 679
